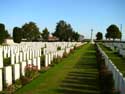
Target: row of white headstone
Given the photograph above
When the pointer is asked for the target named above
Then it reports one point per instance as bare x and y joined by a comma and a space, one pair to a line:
117, 75
26, 51
13, 72
119, 47
29, 53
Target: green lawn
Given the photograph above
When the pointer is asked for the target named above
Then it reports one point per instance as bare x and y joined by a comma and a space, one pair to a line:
116, 59
76, 74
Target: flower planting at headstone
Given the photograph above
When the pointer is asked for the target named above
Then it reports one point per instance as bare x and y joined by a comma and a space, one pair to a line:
31, 71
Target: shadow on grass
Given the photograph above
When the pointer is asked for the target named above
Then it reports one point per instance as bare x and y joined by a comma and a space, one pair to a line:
84, 77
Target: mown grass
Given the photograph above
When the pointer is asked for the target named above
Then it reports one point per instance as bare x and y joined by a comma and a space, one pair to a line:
76, 74
116, 59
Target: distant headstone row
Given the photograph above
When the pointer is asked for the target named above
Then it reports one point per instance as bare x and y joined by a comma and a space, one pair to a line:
118, 47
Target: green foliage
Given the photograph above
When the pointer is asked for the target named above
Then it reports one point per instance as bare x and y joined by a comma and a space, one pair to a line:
65, 32
72, 50
30, 31
24, 80
58, 48
7, 61
17, 34
42, 60
56, 61
45, 34
65, 55
9, 90
31, 71
18, 84
113, 32
3, 33
99, 36
75, 36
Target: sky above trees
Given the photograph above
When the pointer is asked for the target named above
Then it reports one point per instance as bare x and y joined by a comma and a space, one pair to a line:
81, 14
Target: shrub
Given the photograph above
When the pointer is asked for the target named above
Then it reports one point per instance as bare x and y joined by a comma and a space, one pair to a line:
42, 60
72, 50
58, 48
31, 71
9, 89
41, 50
7, 61
17, 84
24, 80
55, 61
75, 47
65, 54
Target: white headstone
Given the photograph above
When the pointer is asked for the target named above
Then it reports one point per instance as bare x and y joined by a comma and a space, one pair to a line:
46, 60
17, 57
8, 75
30, 62
27, 55
1, 57
31, 54
44, 51
24, 56
16, 71
23, 65
12, 58
1, 80
8, 52
34, 62
40, 52
5, 53
52, 56
21, 56
38, 63
49, 59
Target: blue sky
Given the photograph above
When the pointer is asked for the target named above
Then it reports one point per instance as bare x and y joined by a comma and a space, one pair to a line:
81, 14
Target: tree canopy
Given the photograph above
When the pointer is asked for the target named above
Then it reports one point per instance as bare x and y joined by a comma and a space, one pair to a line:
3, 33
65, 32
113, 32
17, 34
99, 36
45, 34
30, 31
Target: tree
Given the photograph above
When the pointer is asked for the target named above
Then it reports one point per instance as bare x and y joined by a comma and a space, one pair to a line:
113, 32
65, 32
60, 30
99, 36
3, 33
45, 34
107, 36
75, 36
30, 31
17, 34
